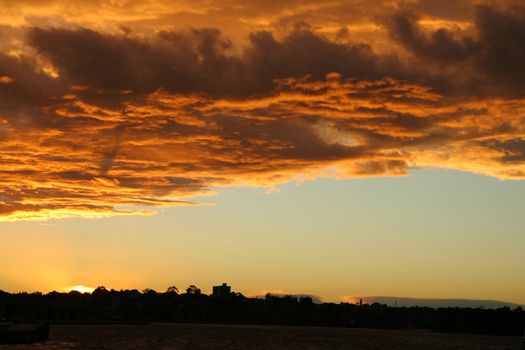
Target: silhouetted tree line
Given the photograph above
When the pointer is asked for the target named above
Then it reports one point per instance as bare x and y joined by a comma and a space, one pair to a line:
105, 305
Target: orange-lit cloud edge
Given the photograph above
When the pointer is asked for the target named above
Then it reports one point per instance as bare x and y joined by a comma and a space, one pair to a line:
107, 114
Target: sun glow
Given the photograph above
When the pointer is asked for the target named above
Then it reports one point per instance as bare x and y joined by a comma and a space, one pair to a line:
80, 288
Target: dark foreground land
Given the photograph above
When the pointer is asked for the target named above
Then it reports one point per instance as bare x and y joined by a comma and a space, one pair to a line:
132, 306
192, 336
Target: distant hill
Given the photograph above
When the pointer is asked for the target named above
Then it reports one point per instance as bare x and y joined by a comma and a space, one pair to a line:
391, 301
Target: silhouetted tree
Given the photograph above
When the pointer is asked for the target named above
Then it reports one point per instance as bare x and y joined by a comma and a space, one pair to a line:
172, 290
149, 291
101, 296
306, 300
100, 290
193, 290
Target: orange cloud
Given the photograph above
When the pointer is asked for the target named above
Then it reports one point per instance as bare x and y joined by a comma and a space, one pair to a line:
130, 123
5, 80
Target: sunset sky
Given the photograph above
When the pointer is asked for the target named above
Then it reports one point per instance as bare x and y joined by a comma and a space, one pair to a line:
333, 148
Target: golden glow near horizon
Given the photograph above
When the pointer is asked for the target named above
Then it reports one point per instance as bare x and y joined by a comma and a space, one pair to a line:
80, 288
123, 110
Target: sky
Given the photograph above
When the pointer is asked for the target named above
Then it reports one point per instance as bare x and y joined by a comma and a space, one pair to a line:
334, 148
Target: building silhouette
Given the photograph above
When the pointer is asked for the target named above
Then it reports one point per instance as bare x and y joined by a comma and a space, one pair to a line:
223, 291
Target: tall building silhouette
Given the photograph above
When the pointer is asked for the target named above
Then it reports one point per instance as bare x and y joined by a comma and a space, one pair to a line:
223, 291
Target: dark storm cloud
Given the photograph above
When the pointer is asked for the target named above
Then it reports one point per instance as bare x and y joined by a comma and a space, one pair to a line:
200, 60
490, 61
446, 9
26, 89
513, 150
502, 41
440, 46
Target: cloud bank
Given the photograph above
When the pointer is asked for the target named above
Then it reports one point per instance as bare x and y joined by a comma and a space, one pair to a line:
124, 114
